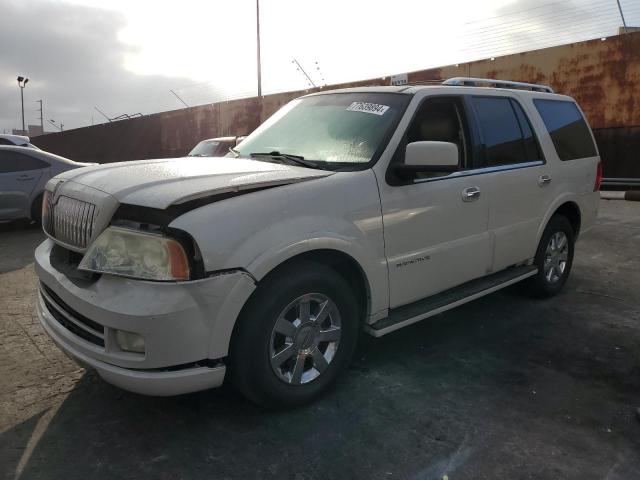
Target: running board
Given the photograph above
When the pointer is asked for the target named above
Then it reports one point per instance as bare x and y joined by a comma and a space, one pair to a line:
441, 302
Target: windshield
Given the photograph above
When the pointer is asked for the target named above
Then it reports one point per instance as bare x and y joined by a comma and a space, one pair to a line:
206, 148
335, 129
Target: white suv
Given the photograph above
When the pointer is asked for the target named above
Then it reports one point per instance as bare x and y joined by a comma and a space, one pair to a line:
364, 209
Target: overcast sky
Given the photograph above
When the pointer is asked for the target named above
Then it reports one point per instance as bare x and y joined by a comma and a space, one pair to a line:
123, 56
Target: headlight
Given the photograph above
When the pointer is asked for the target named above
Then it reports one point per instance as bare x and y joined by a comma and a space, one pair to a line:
129, 253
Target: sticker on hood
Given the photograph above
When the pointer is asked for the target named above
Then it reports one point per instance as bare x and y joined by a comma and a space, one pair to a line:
365, 107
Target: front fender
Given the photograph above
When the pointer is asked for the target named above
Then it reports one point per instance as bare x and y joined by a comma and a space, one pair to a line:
260, 230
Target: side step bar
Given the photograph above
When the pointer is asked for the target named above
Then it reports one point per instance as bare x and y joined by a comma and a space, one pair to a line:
441, 302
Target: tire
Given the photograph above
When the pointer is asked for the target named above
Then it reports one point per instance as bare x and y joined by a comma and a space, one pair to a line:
554, 258
276, 352
36, 209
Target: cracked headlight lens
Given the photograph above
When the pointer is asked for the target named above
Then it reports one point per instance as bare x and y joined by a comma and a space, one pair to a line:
129, 253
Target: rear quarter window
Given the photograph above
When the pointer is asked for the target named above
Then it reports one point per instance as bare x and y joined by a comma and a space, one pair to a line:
568, 130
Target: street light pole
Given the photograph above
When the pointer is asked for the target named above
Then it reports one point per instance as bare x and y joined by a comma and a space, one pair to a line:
22, 82
258, 47
22, 103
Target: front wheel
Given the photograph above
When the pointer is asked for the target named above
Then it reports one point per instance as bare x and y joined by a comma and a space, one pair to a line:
554, 258
36, 209
295, 336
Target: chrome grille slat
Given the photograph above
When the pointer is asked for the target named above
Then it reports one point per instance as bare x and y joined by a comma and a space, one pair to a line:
83, 219
76, 226
71, 221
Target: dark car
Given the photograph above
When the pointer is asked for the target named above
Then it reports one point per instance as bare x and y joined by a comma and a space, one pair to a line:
215, 147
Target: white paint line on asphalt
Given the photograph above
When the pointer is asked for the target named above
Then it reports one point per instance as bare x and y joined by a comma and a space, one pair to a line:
41, 427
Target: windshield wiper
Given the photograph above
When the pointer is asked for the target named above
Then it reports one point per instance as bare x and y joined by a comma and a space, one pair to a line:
299, 159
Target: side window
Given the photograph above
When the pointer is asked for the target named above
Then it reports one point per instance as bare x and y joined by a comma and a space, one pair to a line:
17, 162
501, 133
4, 141
440, 119
567, 128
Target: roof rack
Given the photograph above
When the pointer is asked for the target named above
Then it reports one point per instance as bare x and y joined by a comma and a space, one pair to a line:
491, 82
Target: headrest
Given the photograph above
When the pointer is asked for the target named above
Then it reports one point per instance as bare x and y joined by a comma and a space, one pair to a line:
439, 127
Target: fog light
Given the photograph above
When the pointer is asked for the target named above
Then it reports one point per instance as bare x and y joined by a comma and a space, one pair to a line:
129, 341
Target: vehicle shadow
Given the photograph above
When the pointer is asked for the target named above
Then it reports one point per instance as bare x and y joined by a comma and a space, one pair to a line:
18, 240
453, 394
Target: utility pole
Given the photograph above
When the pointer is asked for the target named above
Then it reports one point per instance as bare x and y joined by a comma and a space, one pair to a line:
258, 47
22, 82
41, 115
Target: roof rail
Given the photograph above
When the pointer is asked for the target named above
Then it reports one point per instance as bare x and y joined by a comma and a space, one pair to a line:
491, 82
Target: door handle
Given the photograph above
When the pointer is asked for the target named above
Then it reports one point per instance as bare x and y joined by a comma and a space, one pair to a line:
470, 194
544, 180
22, 178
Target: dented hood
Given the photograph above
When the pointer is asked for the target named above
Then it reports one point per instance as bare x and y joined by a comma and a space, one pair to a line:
172, 181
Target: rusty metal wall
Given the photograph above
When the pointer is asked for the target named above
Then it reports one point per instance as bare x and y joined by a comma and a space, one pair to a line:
603, 76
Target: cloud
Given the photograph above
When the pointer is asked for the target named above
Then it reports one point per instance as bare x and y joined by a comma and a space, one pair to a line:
74, 61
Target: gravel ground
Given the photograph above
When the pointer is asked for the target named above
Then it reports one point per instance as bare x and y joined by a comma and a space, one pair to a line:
502, 388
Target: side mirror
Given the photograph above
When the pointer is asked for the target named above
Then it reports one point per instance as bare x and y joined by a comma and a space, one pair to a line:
429, 157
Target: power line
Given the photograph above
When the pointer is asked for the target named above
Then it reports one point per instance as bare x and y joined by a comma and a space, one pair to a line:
559, 29
563, 13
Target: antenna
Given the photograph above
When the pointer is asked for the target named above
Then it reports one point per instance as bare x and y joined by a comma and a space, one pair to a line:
299, 67
53, 122
101, 113
178, 97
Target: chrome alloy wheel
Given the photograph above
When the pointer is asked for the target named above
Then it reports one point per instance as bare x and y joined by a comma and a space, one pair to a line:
305, 338
556, 257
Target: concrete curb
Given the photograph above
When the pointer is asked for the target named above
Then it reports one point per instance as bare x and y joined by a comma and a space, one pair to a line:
629, 195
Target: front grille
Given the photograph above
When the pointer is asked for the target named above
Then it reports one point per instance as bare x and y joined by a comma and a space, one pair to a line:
69, 220
70, 319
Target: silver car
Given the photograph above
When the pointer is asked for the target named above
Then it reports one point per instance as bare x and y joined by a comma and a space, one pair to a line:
23, 175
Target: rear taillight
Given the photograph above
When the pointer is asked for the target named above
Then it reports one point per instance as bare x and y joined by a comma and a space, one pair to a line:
596, 186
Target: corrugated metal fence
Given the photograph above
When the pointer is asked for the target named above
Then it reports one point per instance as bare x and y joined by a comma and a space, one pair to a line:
604, 76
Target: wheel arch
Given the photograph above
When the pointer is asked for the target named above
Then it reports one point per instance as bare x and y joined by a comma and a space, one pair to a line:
571, 211
35, 205
341, 262
567, 206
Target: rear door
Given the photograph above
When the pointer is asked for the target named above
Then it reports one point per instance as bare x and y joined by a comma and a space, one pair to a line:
519, 180
19, 175
435, 227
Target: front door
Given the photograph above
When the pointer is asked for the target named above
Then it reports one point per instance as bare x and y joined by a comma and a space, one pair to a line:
435, 227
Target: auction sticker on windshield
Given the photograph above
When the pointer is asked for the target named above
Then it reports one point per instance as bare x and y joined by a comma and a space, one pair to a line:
374, 108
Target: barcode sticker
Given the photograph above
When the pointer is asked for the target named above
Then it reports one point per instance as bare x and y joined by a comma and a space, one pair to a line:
374, 108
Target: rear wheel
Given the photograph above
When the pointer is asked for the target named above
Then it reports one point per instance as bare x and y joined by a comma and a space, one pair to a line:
554, 258
295, 336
